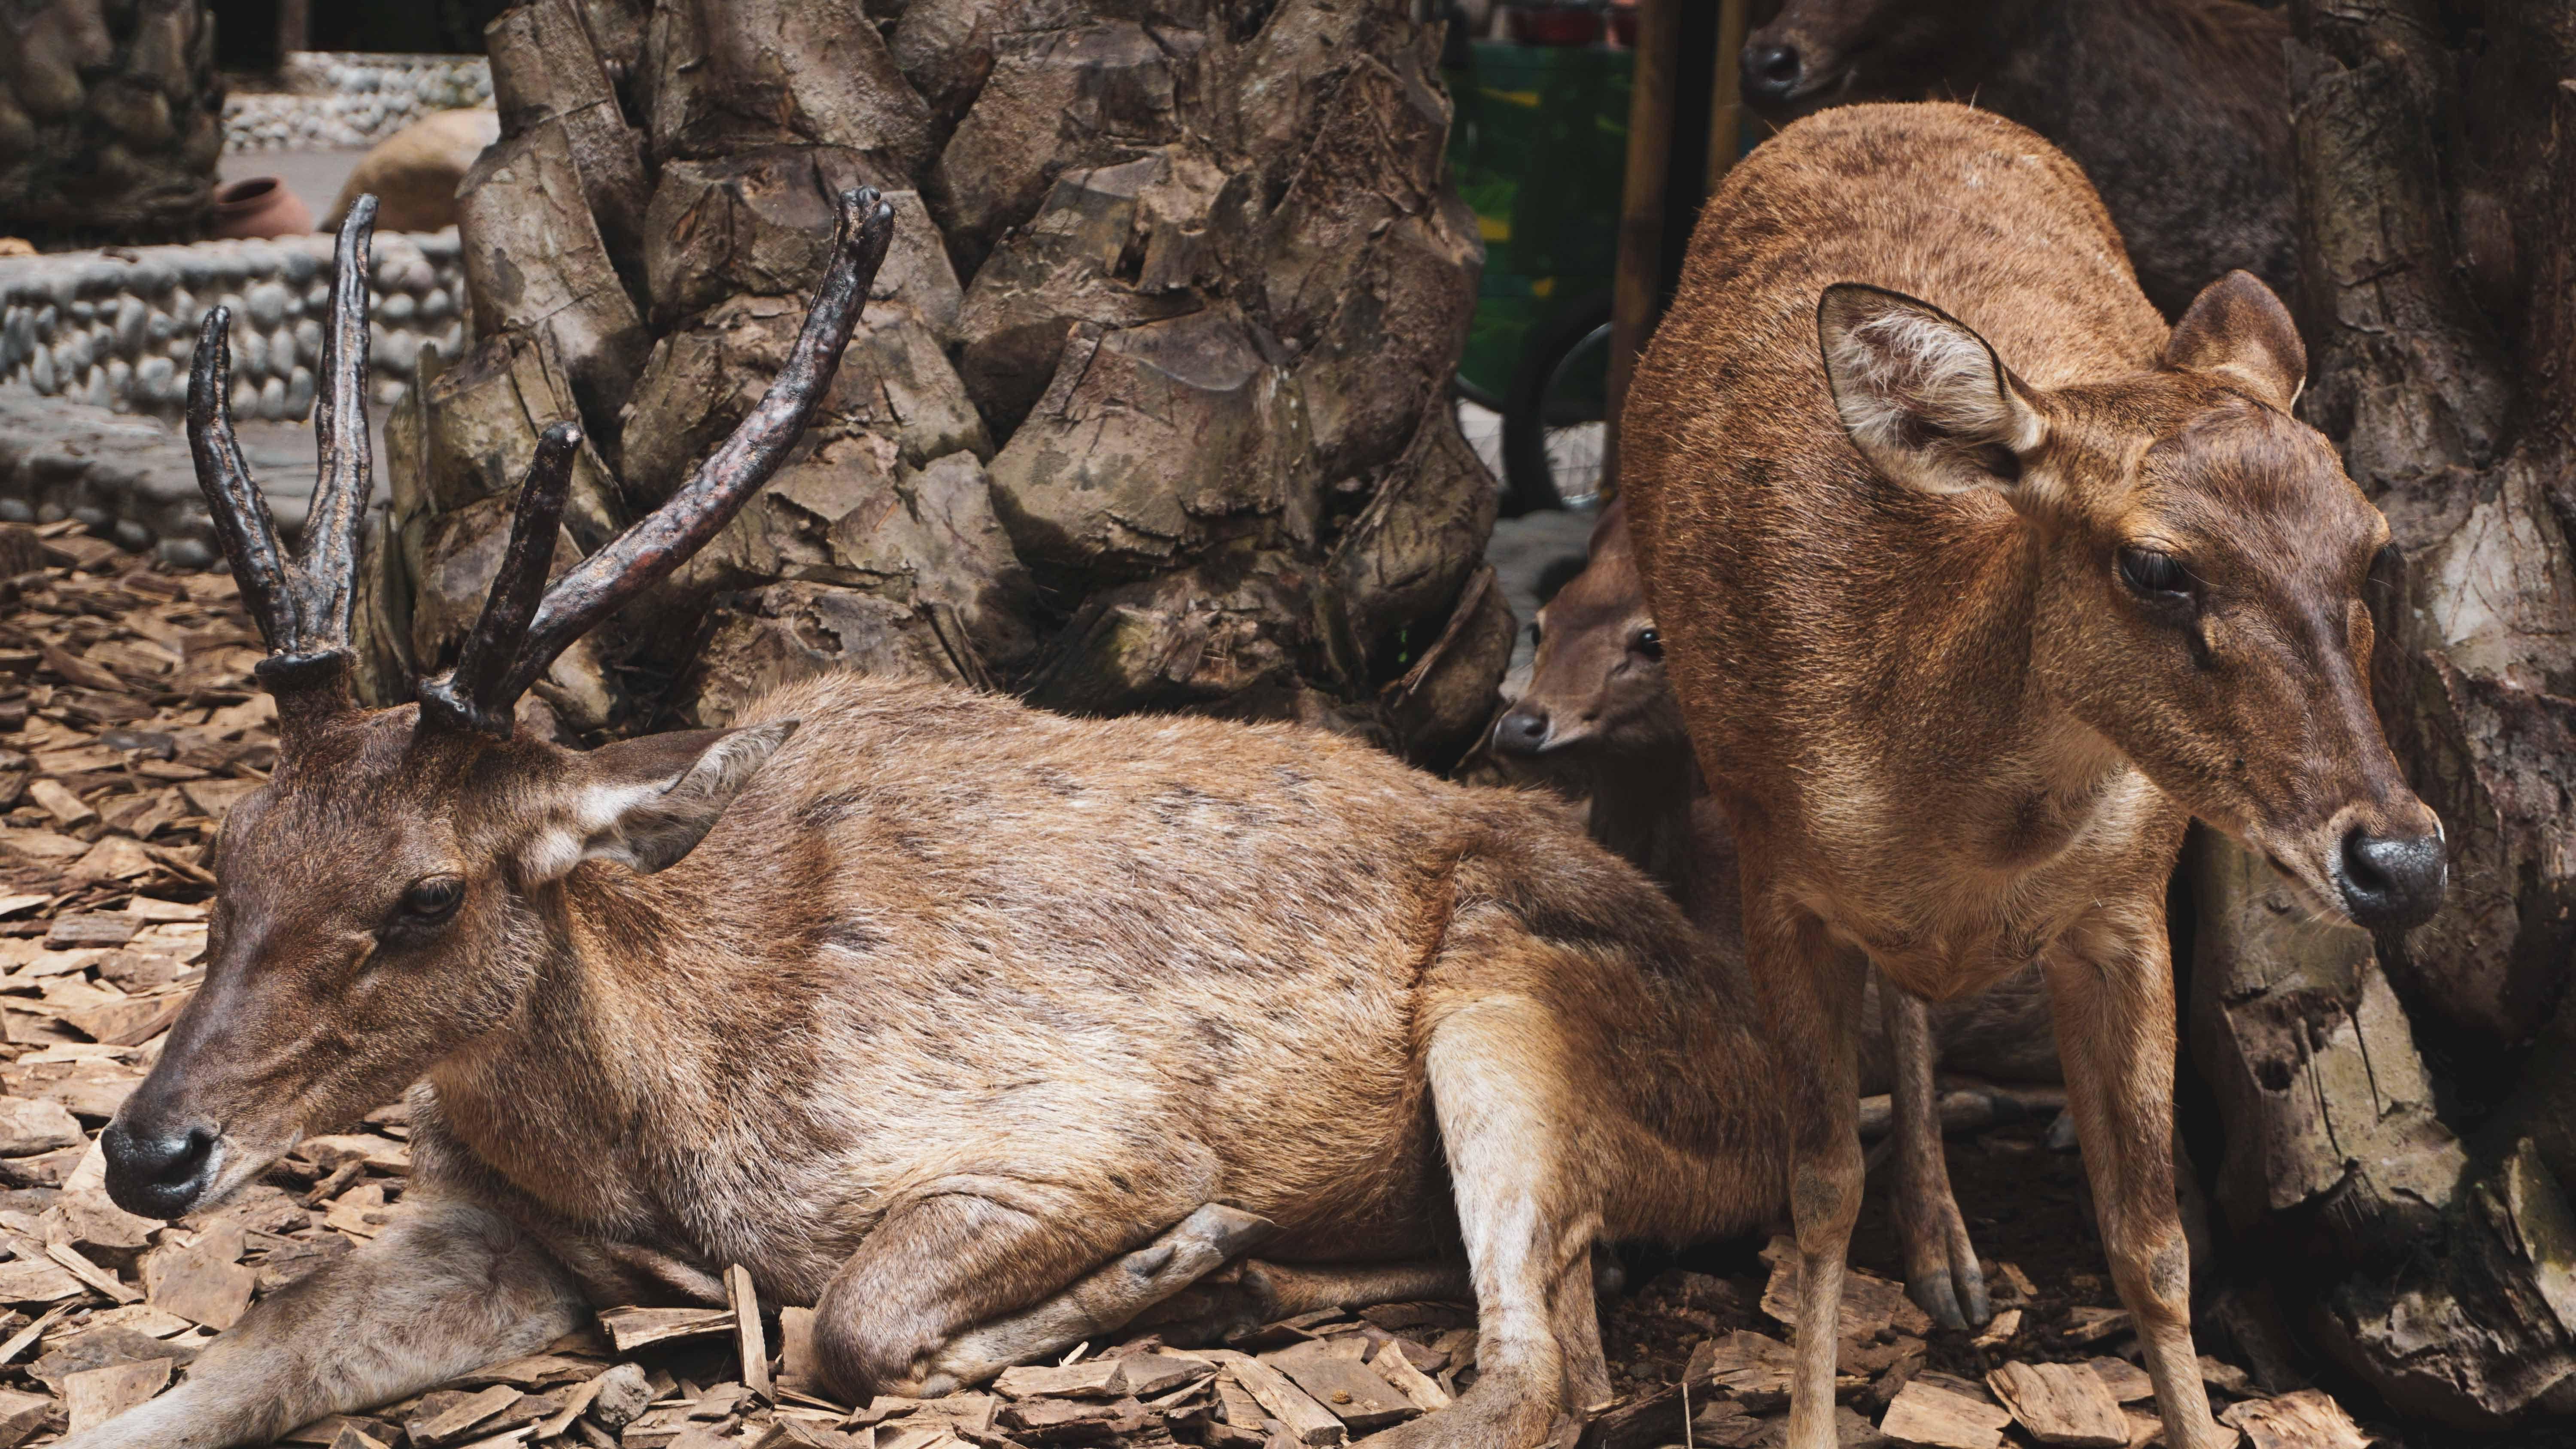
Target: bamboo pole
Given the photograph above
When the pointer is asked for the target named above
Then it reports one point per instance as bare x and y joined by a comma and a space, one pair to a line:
1726, 96
1641, 209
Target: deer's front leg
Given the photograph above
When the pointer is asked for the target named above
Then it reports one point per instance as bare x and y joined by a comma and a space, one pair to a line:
2110, 984
449, 1288
1811, 993
1941, 1269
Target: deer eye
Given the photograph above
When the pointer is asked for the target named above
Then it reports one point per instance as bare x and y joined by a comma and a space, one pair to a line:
2152, 574
1649, 642
430, 900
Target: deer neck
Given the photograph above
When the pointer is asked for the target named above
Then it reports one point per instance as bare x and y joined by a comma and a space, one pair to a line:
611, 1033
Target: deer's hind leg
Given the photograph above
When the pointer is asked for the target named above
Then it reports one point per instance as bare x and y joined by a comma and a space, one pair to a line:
952, 1286
1941, 1269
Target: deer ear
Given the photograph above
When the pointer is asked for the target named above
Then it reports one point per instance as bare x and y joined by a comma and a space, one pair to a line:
646, 803
1921, 395
2238, 330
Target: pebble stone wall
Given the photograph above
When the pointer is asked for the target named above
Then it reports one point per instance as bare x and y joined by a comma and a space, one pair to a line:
115, 328
340, 100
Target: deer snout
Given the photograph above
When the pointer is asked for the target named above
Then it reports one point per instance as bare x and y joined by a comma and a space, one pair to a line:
1523, 730
160, 1170
1774, 71
2391, 881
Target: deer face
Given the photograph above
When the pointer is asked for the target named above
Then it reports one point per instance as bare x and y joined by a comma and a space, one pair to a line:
2201, 564
380, 906
1597, 692
1816, 53
383, 902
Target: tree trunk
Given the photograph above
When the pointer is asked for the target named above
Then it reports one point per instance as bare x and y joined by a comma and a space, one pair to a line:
2405, 1164
1148, 410
111, 121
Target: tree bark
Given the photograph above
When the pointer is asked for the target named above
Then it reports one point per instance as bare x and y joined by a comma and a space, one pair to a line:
1148, 409
2397, 1119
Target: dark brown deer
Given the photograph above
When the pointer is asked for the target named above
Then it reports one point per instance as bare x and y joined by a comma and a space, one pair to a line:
1599, 719
2179, 110
1977, 583
979, 1029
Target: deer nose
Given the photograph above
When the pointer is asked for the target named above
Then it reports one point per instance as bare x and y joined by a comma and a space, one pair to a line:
158, 1173
2391, 882
1523, 731
1772, 72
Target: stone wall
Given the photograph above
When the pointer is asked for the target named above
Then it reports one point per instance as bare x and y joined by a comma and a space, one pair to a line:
336, 100
115, 328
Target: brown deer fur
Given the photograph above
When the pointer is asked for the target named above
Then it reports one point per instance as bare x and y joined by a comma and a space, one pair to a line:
955, 1002
1598, 718
1970, 602
2178, 110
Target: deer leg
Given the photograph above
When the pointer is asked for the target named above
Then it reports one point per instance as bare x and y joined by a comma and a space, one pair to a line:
451, 1287
2110, 985
1941, 1270
1250, 1293
950, 1289
1811, 996
1499, 1090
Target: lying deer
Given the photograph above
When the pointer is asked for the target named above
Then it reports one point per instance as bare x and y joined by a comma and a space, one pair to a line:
1977, 583
1599, 718
978, 1029
2179, 110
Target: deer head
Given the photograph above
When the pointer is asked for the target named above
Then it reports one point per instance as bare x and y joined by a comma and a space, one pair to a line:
1816, 53
2198, 565
381, 902
1597, 696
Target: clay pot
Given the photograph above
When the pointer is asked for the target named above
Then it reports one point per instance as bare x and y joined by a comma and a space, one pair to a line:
259, 206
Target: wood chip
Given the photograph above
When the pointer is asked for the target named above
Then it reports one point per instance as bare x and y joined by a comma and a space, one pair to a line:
2092, 1325
1098, 1378
749, 1340
131, 1022
21, 1415
454, 1421
2000, 1329
2127, 1382
1753, 1369
1939, 1419
1303, 1420
796, 1347
2062, 1403
629, 1329
91, 1273
2308, 1419
1869, 1303
201, 1286
96, 928
97, 1395
1357, 1394
1418, 1388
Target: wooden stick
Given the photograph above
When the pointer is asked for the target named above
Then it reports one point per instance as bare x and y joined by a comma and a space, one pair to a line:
747, 1334
1641, 209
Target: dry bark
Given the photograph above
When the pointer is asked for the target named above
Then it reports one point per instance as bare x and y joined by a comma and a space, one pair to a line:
2396, 1118
111, 122
1147, 409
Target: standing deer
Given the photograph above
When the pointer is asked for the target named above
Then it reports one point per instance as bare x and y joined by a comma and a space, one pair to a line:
1599, 717
979, 1029
2179, 110
1977, 583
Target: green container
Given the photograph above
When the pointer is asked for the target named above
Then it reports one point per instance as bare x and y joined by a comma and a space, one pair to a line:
1539, 150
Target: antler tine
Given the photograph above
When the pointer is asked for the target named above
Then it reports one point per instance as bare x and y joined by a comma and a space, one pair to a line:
329, 558
659, 542
464, 695
242, 524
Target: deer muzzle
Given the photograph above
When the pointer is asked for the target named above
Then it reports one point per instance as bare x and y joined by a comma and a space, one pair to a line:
161, 1169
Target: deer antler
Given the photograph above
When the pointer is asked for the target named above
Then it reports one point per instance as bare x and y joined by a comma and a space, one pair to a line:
522, 630
302, 607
